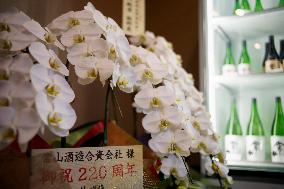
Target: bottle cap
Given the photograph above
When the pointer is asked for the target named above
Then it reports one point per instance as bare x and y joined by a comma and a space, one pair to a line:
254, 99
244, 43
271, 38
277, 98
228, 44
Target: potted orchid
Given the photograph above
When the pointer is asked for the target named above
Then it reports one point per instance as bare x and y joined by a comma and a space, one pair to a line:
35, 93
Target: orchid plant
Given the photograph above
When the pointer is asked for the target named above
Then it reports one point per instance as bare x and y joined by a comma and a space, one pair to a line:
35, 93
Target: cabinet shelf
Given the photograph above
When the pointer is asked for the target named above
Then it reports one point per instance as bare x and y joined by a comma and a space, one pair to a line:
252, 81
252, 25
256, 166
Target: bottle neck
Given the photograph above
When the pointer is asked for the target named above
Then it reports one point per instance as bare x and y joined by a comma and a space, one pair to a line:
254, 112
278, 108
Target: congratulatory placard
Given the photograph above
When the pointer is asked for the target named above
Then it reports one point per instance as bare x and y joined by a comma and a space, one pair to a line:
119, 167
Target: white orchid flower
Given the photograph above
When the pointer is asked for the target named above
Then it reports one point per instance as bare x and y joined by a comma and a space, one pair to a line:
69, 20
8, 132
208, 166
15, 68
85, 53
25, 122
16, 94
52, 84
12, 18
146, 39
201, 121
88, 72
175, 87
15, 40
173, 165
57, 115
214, 166
171, 142
124, 77
20, 67
153, 98
5, 67
119, 48
154, 71
206, 145
22, 94
160, 120
138, 55
105, 68
106, 24
43, 34
47, 58
195, 94
81, 34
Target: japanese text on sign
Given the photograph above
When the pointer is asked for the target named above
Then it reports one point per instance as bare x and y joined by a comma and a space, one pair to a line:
133, 20
88, 168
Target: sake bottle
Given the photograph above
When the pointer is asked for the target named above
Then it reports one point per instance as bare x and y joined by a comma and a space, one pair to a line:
255, 139
244, 62
237, 7
229, 67
233, 137
258, 6
277, 134
281, 3
272, 62
265, 55
245, 6
281, 55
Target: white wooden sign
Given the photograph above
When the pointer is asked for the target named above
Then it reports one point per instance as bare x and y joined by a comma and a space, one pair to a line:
119, 167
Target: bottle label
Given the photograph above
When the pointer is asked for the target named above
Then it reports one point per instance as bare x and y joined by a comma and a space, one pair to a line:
255, 148
273, 66
277, 149
244, 69
233, 147
229, 69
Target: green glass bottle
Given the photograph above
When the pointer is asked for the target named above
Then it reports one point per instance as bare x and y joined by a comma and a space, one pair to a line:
244, 61
237, 6
255, 139
234, 126
245, 5
229, 63
281, 3
233, 137
277, 133
258, 6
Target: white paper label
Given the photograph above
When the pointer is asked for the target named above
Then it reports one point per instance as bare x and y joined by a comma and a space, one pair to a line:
233, 147
133, 19
273, 66
255, 148
229, 69
243, 69
277, 149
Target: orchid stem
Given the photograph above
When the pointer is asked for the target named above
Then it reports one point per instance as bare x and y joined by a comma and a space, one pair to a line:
63, 139
187, 169
218, 176
106, 116
134, 120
